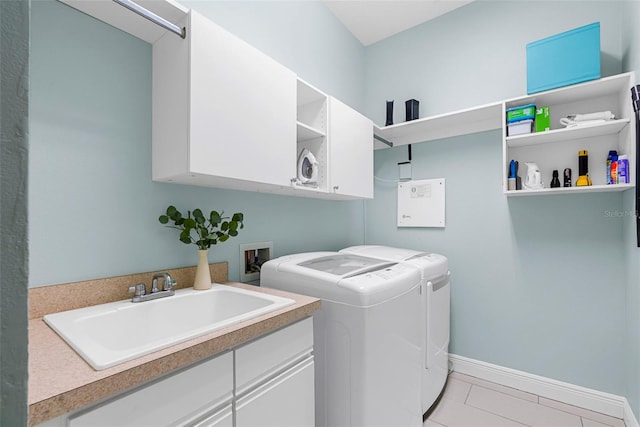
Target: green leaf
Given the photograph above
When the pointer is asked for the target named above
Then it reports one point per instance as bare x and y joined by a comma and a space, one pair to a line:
189, 223
186, 240
233, 225
224, 226
224, 238
233, 233
185, 235
171, 211
163, 219
238, 217
179, 221
215, 218
197, 215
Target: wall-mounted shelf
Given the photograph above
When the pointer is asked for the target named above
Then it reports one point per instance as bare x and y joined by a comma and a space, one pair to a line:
558, 148
571, 190
558, 135
462, 122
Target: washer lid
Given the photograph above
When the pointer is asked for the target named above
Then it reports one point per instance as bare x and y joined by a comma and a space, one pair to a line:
346, 265
339, 277
430, 264
384, 252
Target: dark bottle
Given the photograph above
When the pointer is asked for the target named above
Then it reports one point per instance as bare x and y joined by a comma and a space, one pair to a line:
555, 182
567, 177
389, 113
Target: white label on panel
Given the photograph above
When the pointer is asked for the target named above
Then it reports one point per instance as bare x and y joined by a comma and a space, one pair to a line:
421, 203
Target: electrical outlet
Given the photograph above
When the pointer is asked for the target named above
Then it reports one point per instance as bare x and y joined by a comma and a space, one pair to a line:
252, 256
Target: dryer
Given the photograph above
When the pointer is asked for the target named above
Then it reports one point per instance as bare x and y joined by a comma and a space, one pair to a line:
436, 295
367, 343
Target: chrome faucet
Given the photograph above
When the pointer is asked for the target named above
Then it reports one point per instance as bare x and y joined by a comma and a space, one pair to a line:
140, 294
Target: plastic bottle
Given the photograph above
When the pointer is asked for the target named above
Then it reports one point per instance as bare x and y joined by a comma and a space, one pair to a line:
567, 177
614, 169
610, 158
555, 182
623, 169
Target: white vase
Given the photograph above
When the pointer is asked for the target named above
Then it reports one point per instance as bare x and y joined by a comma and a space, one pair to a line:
203, 274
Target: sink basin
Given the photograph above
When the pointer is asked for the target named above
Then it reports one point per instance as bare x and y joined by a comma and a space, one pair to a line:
109, 334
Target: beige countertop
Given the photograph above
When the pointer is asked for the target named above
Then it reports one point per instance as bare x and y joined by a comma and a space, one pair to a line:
60, 381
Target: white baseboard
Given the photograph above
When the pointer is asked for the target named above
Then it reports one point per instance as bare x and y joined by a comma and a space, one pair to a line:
629, 417
605, 403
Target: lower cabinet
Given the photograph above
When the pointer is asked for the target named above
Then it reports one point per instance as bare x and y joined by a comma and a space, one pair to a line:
275, 379
285, 401
274, 386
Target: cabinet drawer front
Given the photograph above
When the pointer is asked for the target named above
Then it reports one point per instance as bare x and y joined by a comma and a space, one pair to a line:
285, 401
266, 356
208, 384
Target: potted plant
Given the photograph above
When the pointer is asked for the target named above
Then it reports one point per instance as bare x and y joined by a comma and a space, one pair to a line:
203, 232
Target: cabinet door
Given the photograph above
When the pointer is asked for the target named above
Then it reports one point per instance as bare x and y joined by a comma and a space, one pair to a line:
243, 109
285, 401
351, 148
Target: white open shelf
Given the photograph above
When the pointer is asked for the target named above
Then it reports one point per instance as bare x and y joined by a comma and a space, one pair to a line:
558, 135
571, 190
462, 122
306, 132
579, 92
558, 148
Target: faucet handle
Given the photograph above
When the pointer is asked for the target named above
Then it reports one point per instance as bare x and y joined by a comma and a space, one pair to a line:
137, 290
169, 283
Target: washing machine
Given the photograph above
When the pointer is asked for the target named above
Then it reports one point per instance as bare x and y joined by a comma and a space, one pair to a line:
367, 343
436, 292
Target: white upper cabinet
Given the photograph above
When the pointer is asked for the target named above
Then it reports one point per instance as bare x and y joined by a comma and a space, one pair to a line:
351, 159
223, 112
226, 115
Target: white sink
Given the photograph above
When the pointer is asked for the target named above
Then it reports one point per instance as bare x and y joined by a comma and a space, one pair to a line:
108, 334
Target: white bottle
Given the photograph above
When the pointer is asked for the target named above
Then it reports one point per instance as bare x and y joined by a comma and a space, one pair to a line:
623, 169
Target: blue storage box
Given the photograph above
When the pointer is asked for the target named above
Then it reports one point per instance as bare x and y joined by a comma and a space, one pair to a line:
564, 59
522, 112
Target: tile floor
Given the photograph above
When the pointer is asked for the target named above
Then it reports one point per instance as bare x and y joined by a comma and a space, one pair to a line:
472, 402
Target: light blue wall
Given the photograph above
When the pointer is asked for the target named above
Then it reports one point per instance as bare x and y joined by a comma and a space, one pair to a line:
631, 62
93, 206
538, 283
476, 54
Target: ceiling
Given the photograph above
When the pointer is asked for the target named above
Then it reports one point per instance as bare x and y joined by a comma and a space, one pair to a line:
373, 20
